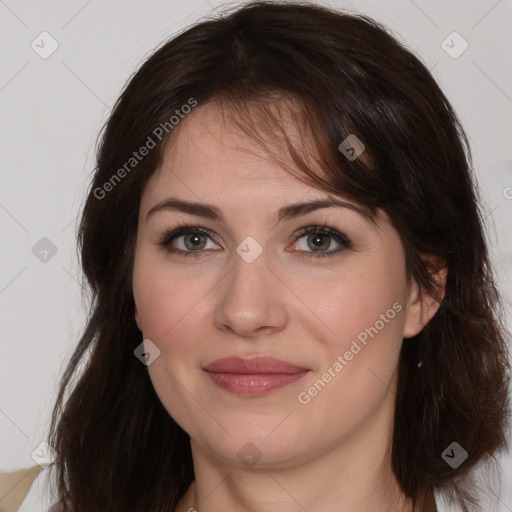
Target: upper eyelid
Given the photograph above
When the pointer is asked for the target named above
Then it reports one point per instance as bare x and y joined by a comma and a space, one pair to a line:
333, 232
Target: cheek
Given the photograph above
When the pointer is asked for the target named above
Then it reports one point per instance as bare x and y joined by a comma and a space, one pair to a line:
364, 313
359, 303
170, 309
166, 300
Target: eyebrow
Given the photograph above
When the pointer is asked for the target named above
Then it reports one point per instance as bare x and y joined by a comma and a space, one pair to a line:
286, 212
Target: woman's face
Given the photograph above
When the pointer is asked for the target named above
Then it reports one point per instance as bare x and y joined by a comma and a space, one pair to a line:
334, 307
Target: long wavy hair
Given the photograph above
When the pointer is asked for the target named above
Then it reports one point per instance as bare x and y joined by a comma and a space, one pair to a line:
118, 448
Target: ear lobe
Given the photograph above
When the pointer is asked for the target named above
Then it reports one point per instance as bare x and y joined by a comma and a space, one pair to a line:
137, 319
422, 307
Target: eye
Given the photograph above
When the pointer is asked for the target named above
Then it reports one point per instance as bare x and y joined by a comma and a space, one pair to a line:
186, 240
319, 238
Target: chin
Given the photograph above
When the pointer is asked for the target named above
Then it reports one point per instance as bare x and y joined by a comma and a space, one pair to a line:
255, 442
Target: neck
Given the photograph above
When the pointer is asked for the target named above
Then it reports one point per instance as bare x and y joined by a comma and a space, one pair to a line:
273, 491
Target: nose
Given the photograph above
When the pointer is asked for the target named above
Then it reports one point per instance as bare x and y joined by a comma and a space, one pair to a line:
251, 299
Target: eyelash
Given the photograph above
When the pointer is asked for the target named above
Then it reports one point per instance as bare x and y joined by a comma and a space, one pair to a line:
168, 235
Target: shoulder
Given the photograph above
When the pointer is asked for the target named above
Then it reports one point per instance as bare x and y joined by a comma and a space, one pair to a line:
15, 485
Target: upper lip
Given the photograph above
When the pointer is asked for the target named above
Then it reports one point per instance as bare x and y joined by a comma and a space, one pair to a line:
252, 365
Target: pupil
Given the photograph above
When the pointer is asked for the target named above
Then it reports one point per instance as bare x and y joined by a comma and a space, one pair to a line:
195, 240
317, 241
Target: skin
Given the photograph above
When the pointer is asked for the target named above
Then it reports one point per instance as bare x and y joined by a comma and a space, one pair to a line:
331, 454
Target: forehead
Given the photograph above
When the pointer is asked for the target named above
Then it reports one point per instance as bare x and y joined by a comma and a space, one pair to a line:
209, 150
212, 158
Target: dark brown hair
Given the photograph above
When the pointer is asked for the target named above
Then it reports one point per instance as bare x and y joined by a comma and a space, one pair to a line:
118, 448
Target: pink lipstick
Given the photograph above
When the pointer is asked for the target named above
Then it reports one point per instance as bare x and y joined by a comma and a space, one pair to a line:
253, 376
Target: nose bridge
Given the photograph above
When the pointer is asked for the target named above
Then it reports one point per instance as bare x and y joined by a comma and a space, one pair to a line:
249, 299
249, 277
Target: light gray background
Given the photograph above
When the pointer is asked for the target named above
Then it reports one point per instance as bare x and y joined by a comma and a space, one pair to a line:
52, 110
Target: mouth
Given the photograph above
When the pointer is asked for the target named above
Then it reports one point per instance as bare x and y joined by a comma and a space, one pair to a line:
254, 376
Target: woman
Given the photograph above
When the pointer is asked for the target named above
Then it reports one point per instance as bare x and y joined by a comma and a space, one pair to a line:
293, 307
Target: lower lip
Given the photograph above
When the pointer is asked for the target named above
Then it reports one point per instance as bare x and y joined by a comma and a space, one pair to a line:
254, 383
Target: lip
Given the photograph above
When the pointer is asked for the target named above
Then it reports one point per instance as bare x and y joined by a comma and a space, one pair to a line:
253, 376
253, 365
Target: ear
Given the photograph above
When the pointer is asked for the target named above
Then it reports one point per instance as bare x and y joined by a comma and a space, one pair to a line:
137, 319
421, 307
